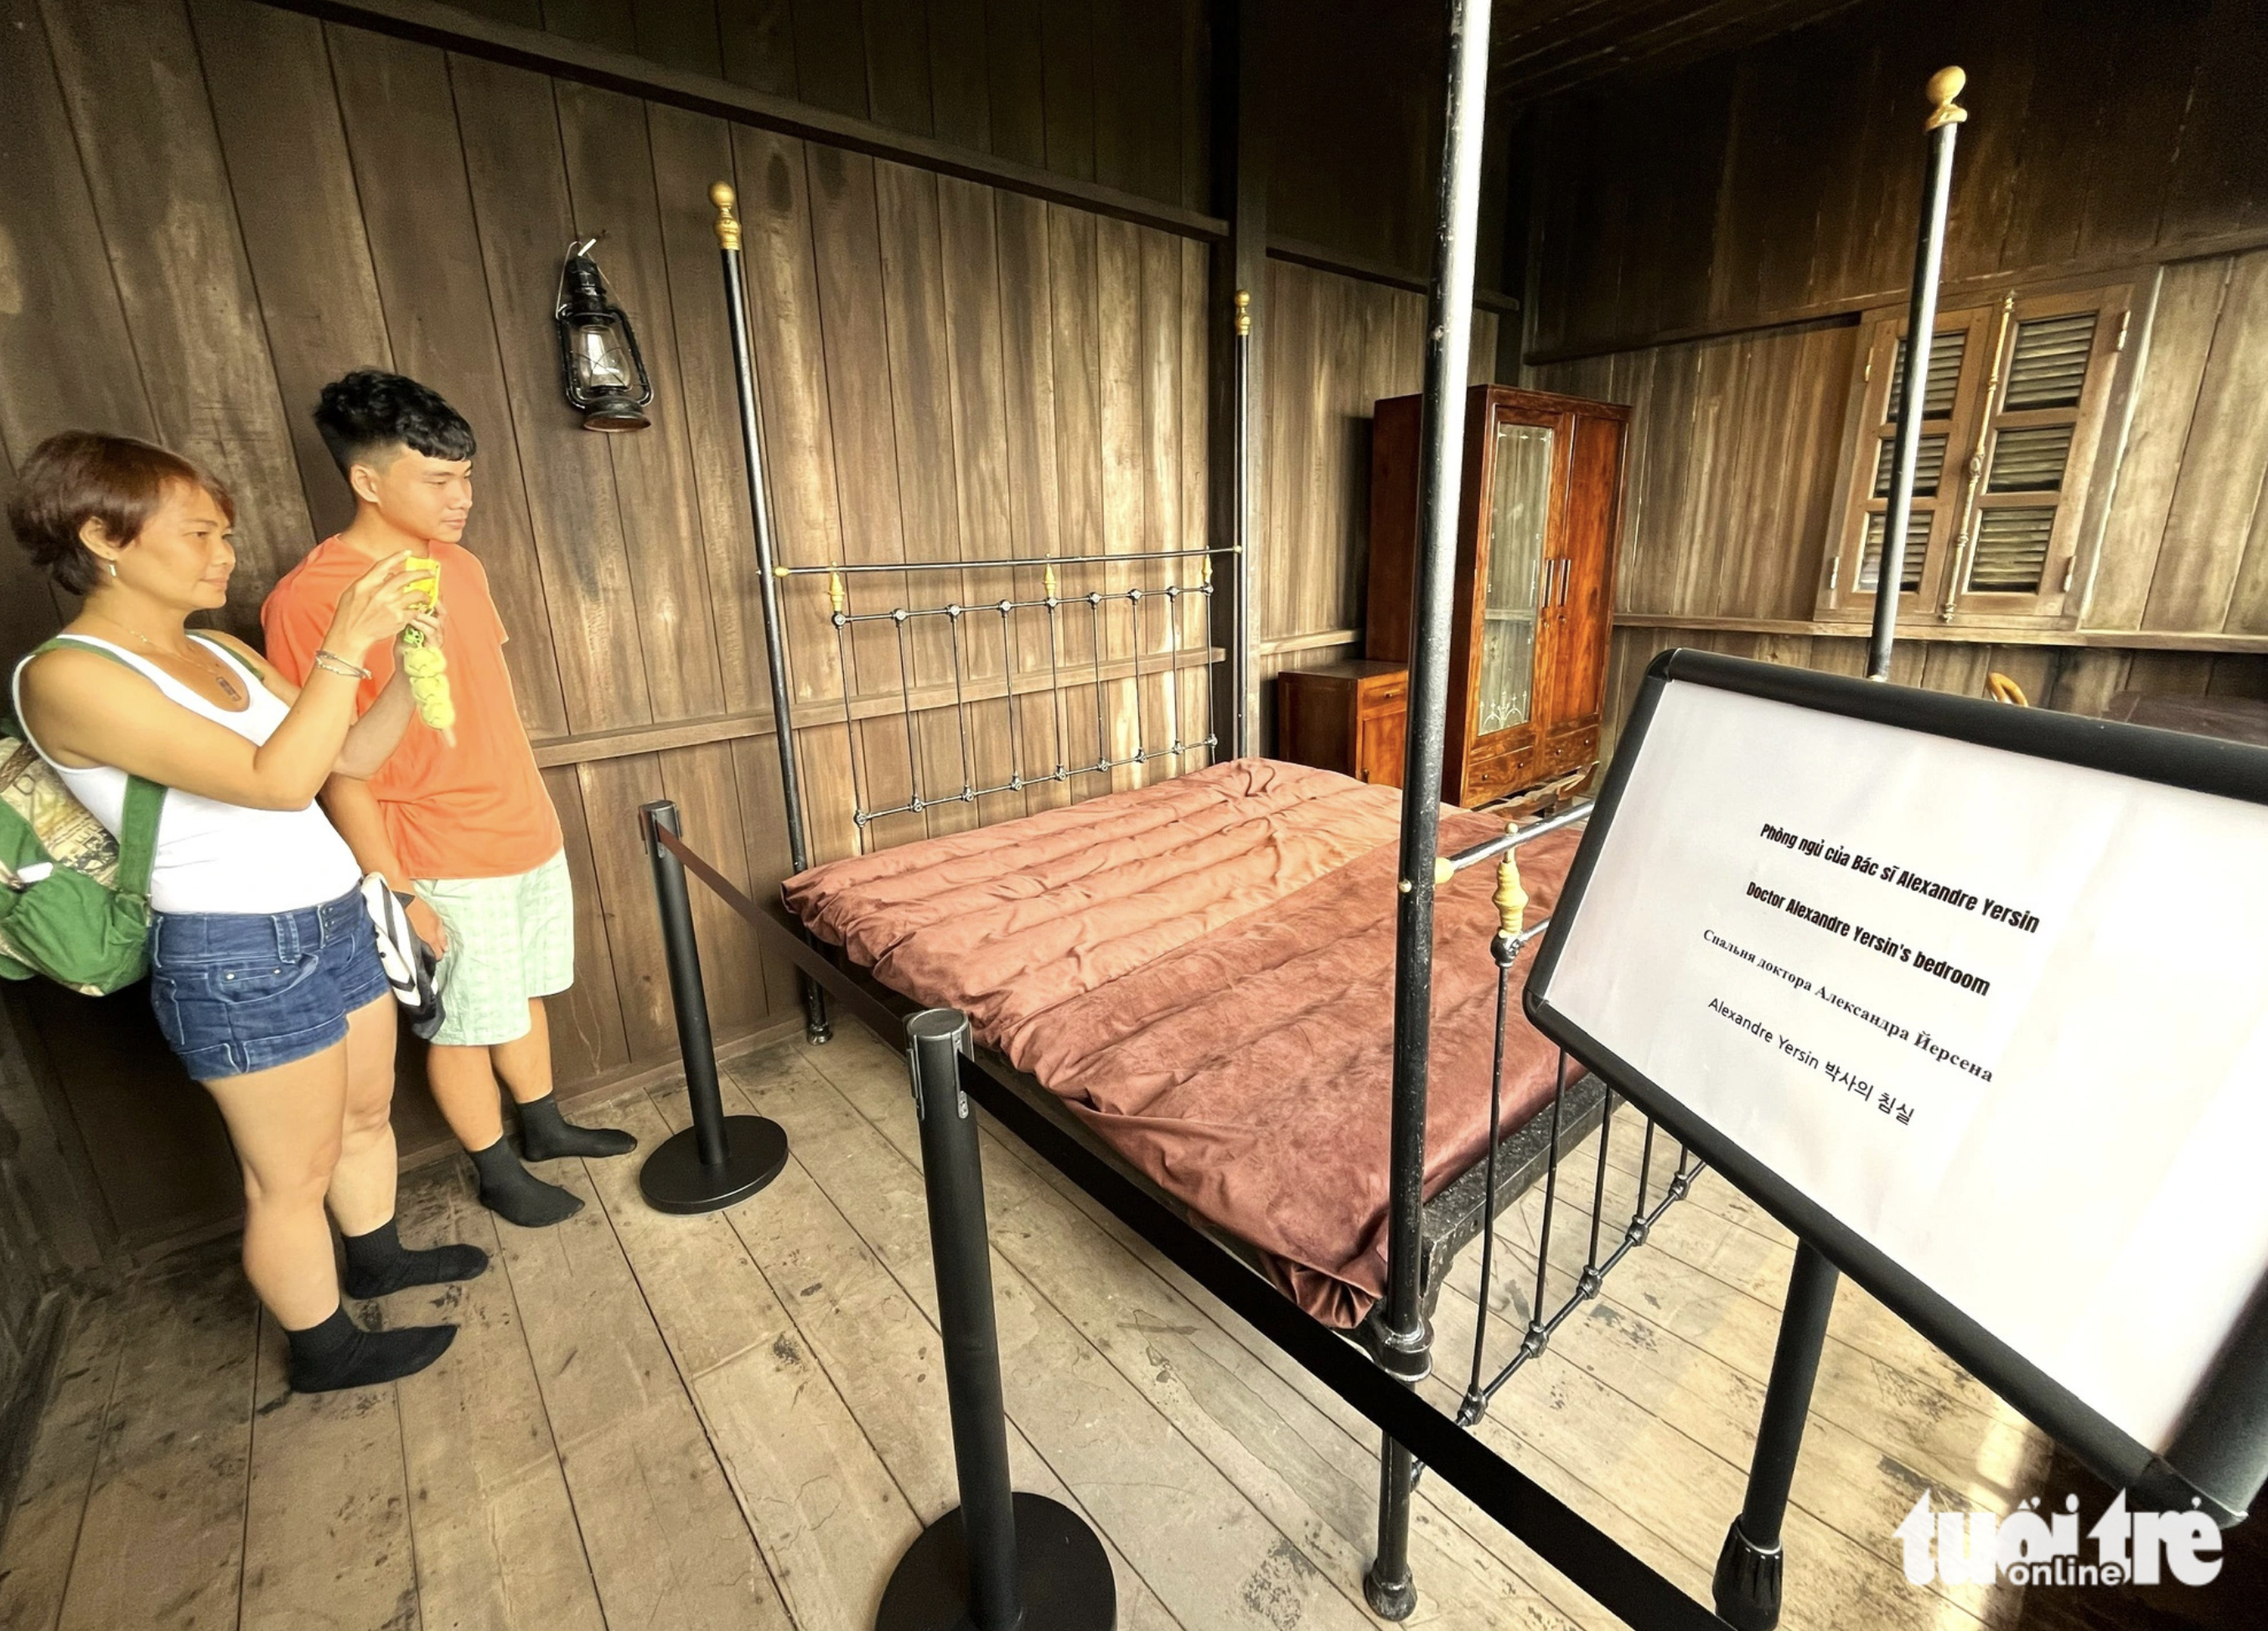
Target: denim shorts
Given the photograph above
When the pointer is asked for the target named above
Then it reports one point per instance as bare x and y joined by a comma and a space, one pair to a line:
242, 991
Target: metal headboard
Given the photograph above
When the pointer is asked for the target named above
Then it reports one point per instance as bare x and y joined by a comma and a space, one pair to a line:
915, 622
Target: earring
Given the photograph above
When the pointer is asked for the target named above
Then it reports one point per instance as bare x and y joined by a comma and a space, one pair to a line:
112, 565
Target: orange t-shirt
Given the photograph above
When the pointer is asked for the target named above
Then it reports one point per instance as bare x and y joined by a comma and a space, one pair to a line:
476, 810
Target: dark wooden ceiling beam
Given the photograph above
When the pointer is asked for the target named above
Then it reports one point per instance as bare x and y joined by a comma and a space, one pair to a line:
1575, 43
427, 23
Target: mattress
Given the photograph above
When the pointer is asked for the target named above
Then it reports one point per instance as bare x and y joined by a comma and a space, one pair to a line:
1203, 969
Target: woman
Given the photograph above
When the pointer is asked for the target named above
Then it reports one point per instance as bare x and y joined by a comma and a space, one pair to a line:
264, 971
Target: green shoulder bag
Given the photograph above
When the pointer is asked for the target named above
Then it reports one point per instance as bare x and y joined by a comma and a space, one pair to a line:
74, 902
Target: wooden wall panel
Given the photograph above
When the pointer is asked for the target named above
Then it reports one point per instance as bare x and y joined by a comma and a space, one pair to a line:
1111, 91
1336, 345
401, 119
281, 131
1784, 179
1706, 237
161, 191
1731, 467
2069, 679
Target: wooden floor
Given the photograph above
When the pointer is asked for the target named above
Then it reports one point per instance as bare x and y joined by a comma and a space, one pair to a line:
738, 1421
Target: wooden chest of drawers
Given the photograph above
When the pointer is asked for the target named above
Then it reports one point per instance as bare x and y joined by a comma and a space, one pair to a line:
1347, 716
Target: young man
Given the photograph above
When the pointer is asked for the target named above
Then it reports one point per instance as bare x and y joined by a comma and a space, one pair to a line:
464, 830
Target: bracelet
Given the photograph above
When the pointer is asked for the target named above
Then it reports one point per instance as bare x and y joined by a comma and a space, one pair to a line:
339, 665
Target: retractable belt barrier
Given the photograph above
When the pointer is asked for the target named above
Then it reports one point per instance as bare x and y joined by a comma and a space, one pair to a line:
1622, 1583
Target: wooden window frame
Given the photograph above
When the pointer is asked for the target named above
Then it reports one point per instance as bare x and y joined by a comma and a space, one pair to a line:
1947, 523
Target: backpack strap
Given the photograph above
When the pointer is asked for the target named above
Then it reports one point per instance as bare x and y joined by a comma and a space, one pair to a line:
137, 836
145, 800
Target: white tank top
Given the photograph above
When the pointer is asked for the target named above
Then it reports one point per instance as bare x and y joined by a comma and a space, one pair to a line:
213, 856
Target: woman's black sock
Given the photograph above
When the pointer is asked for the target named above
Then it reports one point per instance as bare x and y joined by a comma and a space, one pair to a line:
378, 1264
339, 1353
516, 1194
547, 1135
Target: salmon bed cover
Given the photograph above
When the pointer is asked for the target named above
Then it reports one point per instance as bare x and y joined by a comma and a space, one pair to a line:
1203, 970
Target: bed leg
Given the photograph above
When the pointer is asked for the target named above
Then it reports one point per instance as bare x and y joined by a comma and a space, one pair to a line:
1388, 1586
1747, 1586
817, 1027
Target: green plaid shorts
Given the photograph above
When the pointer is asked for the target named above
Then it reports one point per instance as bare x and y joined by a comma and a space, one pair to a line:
510, 939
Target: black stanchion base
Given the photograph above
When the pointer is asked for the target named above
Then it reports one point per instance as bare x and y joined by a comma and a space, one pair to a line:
1747, 1583
1065, 1573
1395, 1599
674, 1179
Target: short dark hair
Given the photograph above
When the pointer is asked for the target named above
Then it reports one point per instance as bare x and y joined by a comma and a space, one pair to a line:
77, 476
370, 410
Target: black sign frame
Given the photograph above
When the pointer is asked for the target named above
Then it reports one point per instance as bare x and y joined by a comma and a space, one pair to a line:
2218, 1456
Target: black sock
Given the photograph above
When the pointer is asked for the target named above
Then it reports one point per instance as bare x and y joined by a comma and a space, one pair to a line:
339, 1353
379, 1264
516, 1194
547, 1135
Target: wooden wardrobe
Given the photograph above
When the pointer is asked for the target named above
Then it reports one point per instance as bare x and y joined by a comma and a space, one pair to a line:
1535, 586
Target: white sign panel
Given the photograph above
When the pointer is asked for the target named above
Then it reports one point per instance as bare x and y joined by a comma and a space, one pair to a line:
2005, 1018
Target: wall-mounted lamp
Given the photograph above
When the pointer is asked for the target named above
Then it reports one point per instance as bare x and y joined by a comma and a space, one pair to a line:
600, 369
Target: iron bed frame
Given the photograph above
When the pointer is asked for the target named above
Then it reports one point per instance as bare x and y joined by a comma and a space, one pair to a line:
1423, 1237
1079, 622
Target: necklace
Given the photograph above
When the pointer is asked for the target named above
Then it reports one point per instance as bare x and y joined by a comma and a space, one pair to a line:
212, 666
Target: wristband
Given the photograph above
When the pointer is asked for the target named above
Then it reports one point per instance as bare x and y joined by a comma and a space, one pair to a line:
339, 665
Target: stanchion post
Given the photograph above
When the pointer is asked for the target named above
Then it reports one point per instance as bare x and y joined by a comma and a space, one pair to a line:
719, 1159
1005, 1560
1746, 1585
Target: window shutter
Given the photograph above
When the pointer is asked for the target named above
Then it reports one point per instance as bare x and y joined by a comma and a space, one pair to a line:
1870, 563
2011, 550
1945, 353
2013, 410
2048, 368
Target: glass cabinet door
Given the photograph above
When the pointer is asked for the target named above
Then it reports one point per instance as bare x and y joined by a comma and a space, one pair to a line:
1520, 506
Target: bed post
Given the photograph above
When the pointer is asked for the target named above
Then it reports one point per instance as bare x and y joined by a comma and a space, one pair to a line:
1239, 634
816, 1026
1236, 319
1747, 1582
1401, 1340
1945, 119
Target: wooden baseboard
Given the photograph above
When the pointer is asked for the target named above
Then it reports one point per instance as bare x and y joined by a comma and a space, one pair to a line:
1961, 634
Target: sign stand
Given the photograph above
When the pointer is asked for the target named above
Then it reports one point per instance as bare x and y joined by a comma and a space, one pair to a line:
1747, 1579
1895, 962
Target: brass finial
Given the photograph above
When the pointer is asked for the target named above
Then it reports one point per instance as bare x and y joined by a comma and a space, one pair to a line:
1944, 86
728, 222
835, 596
1511, 898
1243, 313
1048, 578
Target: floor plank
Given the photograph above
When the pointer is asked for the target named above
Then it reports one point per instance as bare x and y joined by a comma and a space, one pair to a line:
326, 1524
1214, 1558
738, 1419
497, 1544
44, 1527
878, 1351
169, 1478
1312, 1480
666, 1543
